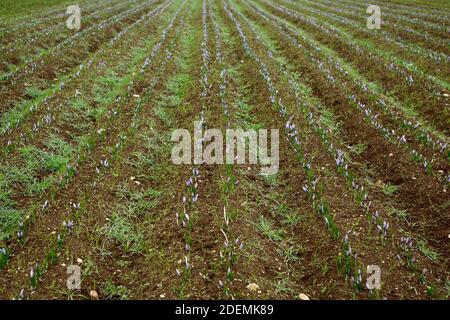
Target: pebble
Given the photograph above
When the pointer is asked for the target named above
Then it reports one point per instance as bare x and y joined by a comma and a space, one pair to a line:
303, 296
93, 294
253, 287
79, 260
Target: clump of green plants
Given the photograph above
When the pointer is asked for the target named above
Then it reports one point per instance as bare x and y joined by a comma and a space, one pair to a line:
426, 251
113, 291
3, 258
389, 189
266, 227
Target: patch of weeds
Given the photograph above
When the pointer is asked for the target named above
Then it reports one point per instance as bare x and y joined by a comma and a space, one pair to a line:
70, 294
5, 197
142, 160
58, 155
283, 209
289, 253
398, 213
137, 202
86, 142
162, 114
358, 149
328, 120
266, 227
389, 189
177, 86
15, 175
284, 285
292, 218
431, 291
110, 87
39, 187
33, 92
426, 251
89, 268
271, 180
123, 232
244, 113
123, 263
55, 158
9, 220
113, 291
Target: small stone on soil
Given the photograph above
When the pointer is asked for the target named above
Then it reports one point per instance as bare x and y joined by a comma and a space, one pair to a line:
303, 296
93, 294
253, 287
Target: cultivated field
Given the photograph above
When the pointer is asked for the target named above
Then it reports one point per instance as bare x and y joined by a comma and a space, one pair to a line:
87, 180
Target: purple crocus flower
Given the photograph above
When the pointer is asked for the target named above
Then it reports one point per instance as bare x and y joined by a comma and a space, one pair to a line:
346, 238
68, 225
